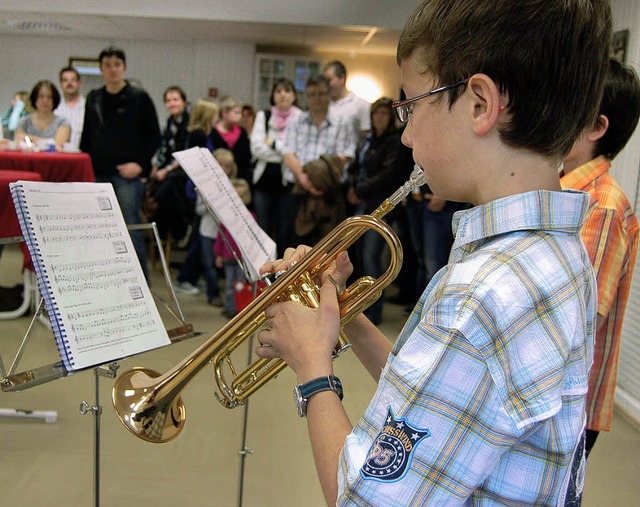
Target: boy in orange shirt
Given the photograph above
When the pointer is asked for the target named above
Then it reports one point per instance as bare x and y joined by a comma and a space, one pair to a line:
610, 233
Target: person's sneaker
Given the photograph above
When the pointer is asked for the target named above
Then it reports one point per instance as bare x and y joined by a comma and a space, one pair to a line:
216, 301
186, 288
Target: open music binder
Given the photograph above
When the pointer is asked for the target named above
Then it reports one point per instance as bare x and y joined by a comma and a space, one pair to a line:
95, 294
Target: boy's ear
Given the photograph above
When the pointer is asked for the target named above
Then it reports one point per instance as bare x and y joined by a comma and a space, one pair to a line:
600, 129
485, 105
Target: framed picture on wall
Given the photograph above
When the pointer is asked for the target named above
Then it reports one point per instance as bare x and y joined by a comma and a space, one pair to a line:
619, 45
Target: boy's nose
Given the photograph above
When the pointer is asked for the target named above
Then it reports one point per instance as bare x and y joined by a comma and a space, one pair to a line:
407, 137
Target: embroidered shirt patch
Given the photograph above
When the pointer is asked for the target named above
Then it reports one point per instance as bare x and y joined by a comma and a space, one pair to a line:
390, 455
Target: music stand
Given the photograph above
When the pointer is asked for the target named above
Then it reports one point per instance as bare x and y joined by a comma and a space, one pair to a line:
16, 382
244, 449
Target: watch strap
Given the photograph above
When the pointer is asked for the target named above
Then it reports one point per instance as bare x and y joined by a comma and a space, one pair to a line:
317, 385
308, 389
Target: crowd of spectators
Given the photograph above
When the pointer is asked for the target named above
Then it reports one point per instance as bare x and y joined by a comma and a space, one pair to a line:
305, 170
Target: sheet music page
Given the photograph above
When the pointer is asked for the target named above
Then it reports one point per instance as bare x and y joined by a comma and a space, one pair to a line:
95, 278
216, 189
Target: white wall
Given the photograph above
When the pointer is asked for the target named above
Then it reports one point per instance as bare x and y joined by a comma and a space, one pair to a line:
380, 13
196, 66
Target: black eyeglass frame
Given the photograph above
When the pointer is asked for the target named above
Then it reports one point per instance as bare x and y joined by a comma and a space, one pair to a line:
400, 107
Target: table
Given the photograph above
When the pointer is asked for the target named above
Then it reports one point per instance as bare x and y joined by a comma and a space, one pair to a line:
52, 167
10, 227
56, 167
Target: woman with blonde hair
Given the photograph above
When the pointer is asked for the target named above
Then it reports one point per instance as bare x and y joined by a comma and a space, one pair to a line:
204, 116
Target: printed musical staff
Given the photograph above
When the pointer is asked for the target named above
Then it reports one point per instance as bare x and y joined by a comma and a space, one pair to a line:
95, 293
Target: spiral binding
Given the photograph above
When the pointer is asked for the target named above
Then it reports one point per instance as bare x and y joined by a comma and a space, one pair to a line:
55, 317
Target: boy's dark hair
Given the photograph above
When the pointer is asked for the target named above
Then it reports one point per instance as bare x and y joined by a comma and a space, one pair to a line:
287, 84
45, 83
112, 51
549, 57
318, 80
621, 105
338, 68
69, 69
174, 88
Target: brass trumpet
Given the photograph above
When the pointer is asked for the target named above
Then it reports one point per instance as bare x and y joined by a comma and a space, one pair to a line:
149, 404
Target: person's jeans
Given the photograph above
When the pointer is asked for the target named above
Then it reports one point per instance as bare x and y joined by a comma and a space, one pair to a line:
437, 238
232, 273
372, 247
415, 212
190, 268
275, 215
208, 269
576, 479
129, 193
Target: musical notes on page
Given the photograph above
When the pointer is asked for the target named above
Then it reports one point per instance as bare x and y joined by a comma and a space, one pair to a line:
95, 293
256, 247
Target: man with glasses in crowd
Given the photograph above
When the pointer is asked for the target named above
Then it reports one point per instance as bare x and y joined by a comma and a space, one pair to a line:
314, 133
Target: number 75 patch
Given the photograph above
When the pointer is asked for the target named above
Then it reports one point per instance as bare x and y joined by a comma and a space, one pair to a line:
390, 454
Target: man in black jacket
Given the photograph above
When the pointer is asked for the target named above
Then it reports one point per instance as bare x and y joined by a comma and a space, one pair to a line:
121, 133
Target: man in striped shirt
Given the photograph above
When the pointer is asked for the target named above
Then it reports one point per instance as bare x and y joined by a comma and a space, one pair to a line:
610, 233
71, 107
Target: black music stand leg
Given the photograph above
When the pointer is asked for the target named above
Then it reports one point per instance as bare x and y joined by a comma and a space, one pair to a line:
108, 371
244, 450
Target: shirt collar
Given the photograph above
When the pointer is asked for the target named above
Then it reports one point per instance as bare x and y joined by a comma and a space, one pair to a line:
537, 210
327, 121
581, 177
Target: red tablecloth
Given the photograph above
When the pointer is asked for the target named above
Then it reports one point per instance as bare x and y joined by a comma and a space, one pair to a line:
9, 225
56, 167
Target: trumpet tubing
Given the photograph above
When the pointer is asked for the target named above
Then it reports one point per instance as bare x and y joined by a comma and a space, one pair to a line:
149, 404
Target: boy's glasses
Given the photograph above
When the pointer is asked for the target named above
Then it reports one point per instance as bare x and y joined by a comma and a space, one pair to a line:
404, 108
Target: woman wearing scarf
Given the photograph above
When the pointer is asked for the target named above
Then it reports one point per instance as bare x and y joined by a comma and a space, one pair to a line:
273, 182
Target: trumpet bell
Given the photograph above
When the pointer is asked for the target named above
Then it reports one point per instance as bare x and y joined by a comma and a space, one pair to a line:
139, 409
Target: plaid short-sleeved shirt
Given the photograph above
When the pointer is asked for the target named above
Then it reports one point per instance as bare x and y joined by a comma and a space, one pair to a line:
334, 136
482, 399
610, 234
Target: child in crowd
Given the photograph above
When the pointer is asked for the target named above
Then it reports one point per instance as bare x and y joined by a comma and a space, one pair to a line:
203, 118
208, 230
481, 399
229, 134
225, 247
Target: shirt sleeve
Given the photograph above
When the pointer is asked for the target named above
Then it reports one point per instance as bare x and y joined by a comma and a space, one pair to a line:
347, 140
290, 138
607, 244
258, 137
22, 124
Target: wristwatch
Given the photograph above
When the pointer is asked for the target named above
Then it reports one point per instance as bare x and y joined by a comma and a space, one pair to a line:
302, 392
